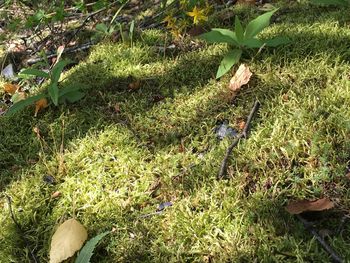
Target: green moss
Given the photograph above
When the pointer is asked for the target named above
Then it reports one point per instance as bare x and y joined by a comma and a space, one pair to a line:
106, 163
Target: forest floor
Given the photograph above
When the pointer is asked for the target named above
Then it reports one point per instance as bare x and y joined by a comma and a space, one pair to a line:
120, 152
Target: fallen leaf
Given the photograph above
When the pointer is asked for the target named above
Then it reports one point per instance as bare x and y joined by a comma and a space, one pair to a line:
8, 72
241, 125
18, 96
56, 194
298, 207
241, 77
68, 239
11, 88
135, 85
39, 105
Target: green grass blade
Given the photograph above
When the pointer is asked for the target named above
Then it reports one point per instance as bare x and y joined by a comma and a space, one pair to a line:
258, 24
86, 253
231, 58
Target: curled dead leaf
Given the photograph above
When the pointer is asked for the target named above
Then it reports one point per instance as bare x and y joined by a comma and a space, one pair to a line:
11, 88
68, 239
298, 207
39, 105
241, 77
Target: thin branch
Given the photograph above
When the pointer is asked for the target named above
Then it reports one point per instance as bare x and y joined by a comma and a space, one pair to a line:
244, 134
332, 253
9, 201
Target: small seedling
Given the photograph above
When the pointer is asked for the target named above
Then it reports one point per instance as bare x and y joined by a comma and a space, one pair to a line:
53, 92
241, 39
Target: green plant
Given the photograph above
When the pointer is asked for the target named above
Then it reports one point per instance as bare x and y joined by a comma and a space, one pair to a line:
86, 252
53, 92
241, 39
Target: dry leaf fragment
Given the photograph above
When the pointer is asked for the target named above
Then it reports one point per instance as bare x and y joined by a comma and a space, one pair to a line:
39, 105
68, 238
241, 77
298, 207
56, 194
241, 125
10, 88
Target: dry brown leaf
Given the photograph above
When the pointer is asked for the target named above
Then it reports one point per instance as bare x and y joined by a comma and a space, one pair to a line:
241, 77
56, 194
68, 239
241, 125
11, 88
298, 207
39, 105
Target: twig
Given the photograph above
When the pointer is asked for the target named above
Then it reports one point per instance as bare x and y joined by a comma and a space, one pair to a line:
244, 135
333, 254
35, 260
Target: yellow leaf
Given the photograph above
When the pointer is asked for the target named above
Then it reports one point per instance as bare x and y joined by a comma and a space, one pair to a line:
198, 15
39, 105
68, 239
10, 88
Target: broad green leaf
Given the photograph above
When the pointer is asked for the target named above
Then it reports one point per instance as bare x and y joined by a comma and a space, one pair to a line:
332, 2
228, 33
102, 28
34, 72
239, 30
24, 103
231, 58
258, 24
253, 43
57, 70
86, 252
73, 96
53, 92
276, 41
217, 37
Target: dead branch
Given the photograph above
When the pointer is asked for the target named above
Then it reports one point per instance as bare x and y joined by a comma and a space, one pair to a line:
20, 230
244, 134
332, 253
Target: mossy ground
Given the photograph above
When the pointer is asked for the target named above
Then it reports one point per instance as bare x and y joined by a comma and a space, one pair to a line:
112, 168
